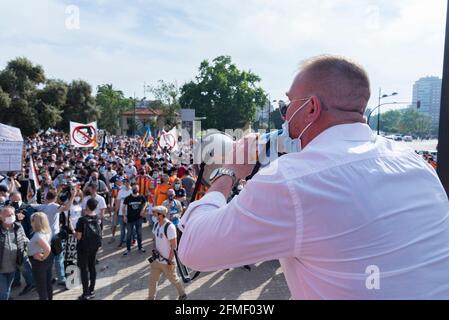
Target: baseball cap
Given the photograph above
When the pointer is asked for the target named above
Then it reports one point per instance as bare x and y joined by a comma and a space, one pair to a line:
160, 210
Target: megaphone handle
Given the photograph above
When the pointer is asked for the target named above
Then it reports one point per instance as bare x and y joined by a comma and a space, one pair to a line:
198, 181
255, 170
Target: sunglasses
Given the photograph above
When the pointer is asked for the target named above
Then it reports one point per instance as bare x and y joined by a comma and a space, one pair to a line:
284, 105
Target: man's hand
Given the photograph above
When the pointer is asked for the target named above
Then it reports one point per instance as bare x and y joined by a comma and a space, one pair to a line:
125, 219
244, 156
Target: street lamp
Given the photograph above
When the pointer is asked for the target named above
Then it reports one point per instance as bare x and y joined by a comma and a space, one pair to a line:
379, 105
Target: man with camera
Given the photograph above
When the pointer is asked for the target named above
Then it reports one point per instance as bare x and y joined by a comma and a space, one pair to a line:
11, 182
163, 258
341, 210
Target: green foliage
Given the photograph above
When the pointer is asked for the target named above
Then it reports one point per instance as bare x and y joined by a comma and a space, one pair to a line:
111, 103
226, 96
31, 102
407, 122
167, 99
414, 122
80, 105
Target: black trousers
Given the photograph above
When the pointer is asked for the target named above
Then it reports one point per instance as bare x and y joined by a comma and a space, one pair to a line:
86, 263
42, 275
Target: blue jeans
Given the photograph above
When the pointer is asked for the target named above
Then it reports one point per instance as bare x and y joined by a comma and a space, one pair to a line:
26, 271
130, 227
123, 230
59, 267
6, 280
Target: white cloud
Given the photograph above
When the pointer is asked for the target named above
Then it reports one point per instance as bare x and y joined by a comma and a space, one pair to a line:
129, 42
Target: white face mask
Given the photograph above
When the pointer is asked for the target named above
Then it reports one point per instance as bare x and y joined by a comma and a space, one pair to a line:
77, 199
288, 144
10, 220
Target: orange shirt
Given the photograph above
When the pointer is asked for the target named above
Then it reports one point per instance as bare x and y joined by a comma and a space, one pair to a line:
144, 184
172, 179
138, 164
161, 193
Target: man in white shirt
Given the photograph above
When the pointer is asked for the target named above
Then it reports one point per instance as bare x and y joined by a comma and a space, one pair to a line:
131, 171
165, 245
101, 207
350, 215
124, 192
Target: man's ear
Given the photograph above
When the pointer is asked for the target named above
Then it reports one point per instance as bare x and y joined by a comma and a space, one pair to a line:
314, 108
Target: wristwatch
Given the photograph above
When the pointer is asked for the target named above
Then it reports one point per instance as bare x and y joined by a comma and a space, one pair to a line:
219, 172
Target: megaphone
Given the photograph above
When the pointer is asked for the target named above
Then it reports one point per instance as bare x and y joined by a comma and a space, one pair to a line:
216, 149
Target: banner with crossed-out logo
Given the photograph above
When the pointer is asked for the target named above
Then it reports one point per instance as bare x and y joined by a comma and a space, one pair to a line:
83, 135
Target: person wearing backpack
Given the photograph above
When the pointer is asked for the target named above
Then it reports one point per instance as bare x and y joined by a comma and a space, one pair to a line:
88, 234
163, 259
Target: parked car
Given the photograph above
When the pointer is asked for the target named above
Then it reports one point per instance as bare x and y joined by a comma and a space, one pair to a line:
408, 139
397, 138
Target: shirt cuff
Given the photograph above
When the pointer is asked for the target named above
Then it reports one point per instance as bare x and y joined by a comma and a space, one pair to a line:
215, 198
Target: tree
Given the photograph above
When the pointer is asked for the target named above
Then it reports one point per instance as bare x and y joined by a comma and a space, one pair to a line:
80, 105
414, 122
167, 98
226, 96
111, 103
19, 84
388, 121
49, 103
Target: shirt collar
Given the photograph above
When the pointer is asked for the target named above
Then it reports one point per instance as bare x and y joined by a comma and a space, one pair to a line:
345, 132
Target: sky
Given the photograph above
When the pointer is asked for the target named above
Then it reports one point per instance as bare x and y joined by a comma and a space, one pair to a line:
129, 43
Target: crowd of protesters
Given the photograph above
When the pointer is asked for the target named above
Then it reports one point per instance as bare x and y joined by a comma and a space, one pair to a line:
66, 195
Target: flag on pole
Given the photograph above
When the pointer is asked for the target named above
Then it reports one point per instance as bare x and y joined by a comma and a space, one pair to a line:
34, 181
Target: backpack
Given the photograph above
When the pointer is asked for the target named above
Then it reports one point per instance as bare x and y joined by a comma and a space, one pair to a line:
91, 238
165, 228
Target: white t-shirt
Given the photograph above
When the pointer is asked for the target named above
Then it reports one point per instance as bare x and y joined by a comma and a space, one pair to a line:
121, 196
75, 214
162, 242
131, 172
101, 204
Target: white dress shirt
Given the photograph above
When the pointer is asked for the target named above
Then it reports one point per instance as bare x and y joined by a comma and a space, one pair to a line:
349, 201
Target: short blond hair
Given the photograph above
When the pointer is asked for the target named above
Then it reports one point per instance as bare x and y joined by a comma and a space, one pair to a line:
339, 81
39, 222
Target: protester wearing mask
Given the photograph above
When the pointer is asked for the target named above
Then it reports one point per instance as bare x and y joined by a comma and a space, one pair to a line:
11, 183
174, 208
53, 211
165, 245
40, 255
101, 187
101, 207
133, 213
13, 244
62, 178
88, 234
124, 192
180, 192
161, 192
23, 216
131, 171
319, 209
